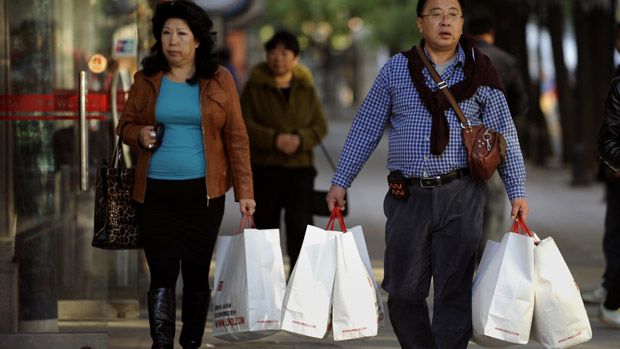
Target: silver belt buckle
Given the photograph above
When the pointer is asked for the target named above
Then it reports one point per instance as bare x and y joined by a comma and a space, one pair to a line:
438, 178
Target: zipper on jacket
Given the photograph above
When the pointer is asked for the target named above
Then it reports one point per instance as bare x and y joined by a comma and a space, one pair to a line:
148, 163
204, 138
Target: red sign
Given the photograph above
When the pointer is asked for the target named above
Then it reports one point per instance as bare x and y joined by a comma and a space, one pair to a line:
63, 106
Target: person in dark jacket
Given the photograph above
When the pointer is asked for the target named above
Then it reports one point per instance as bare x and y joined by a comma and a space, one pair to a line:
609, 148
182, 178
611, 236
482, 28
285, 121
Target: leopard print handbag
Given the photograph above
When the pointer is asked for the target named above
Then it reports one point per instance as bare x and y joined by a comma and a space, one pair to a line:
116, 224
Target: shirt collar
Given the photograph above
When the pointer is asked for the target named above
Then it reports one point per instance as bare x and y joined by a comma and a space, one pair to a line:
460, 56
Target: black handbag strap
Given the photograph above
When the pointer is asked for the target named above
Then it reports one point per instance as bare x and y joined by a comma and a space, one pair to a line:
329, 158
443, 87
117, 154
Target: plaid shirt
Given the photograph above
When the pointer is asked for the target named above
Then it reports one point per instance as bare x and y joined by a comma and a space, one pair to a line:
394, 103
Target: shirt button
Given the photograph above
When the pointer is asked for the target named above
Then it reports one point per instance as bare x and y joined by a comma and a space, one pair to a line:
426, 158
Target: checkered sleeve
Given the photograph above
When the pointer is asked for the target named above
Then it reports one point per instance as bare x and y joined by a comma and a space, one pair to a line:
496, 115
366, 130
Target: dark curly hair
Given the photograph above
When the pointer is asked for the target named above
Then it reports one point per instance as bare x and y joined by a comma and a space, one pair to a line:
199, 23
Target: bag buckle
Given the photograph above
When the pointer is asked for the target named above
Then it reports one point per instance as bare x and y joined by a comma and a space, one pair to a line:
465, 125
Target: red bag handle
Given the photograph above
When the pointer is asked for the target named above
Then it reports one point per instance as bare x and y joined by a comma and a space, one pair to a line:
247, 221
336, 214
519, 227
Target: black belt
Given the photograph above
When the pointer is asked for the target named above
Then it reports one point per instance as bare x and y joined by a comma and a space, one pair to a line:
437, 181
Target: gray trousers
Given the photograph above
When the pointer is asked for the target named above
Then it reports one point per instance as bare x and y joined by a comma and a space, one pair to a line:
434, 233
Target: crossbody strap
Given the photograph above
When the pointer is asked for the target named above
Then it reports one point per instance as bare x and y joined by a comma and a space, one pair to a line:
443, 87
329, 158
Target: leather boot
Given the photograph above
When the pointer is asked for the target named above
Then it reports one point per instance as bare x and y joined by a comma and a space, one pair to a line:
162, 314
194, 316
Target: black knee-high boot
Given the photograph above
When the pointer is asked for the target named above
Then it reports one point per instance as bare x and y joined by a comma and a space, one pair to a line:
162, 317
194, 316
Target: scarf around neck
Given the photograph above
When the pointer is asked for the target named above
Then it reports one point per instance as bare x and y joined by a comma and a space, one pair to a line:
478, 71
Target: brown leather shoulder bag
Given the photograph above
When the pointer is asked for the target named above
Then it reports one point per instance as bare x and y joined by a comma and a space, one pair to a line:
486, 148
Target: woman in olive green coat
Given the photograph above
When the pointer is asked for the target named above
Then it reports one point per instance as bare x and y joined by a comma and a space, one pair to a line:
285, 121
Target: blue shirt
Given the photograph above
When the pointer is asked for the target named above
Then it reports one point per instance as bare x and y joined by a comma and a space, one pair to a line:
181, 153
393, 103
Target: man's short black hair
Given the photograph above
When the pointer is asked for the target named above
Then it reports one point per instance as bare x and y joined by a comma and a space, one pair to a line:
422, 3
480, 24
282, 37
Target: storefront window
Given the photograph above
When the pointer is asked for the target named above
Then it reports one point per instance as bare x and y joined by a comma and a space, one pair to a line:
64, 283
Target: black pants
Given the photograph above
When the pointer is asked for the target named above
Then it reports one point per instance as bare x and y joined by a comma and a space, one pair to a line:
433, 234
165, 272
179, 230
611, 245
277, 188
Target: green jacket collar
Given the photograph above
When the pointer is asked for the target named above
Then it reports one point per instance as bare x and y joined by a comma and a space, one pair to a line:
301, 76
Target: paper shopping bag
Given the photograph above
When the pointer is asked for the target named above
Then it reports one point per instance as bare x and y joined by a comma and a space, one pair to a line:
249, 285
307, 301
560, 318
503, 293
354, 304
360, 241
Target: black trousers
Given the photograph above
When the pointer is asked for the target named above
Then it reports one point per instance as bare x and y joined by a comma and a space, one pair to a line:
433, 234
611, 245
277, 188
179, 231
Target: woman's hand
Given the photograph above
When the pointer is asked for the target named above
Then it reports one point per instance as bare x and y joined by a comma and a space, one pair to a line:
147, 137
288, 143
247, 206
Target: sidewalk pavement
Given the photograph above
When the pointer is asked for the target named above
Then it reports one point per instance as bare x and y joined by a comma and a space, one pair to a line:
573, 216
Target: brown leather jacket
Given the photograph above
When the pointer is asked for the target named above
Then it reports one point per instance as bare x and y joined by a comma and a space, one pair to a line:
225, 137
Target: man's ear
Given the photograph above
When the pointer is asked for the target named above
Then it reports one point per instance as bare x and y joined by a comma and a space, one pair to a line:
418, 22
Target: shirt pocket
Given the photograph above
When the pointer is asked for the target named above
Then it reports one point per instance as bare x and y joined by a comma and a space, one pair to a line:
472, 109
405, 106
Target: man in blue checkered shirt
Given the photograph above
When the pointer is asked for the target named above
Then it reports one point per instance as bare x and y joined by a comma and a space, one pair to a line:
435, 231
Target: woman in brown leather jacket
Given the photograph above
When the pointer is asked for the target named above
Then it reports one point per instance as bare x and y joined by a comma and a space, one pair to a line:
182, 176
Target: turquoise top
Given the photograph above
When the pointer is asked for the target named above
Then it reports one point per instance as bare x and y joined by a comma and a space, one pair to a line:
181, 153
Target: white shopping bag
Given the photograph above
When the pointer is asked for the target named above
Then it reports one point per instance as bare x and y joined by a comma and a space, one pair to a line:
503, 293
307, 301
358, 234
355, 298
249, 285
560, 318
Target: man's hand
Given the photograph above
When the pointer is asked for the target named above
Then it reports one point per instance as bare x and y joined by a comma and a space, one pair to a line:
247, 206
335, 197
519, 205
288, 143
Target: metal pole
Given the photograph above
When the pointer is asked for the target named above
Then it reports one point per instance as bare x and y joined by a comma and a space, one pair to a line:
83, 133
